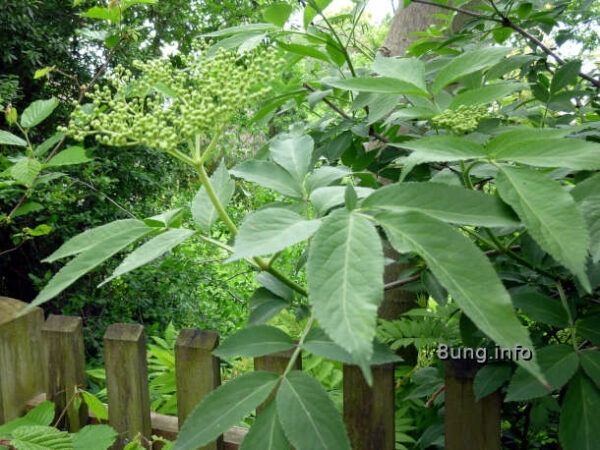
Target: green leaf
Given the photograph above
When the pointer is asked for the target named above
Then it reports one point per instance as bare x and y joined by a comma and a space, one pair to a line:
565, 75
310, 13
380, 85
324, 176
454, 260
588, 328
45, 146
7, 138
90, 238
203, 211
42, 414
266, 432
36, 437
587, 196
94, 437
350, 197
516, 136
550, 215
325, 198
447, 203
37, 111
590, 361
150, 250
271, 230
540, 308
277, 13
467, 63
95, 406
264, 305
293, 153
26, 171
485, 94
309, 417
170, 218
224, 408
254, 341
88, 260
579, 418
40, 230
71, 155
407, 70
572, 153
275, 286
345, 281
490, 378
270, 175
249, 28
558, 363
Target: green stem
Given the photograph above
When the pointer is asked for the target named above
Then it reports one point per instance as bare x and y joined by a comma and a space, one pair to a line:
466, 177
211, 146
298, 348
264, 265
565, 304
216, 242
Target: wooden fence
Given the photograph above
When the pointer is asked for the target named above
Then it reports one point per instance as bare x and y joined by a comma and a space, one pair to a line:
45, 359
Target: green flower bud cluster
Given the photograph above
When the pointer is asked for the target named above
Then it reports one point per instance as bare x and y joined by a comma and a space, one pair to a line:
167, 105
463, 119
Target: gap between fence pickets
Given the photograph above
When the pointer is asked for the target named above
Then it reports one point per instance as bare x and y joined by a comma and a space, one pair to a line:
164, 426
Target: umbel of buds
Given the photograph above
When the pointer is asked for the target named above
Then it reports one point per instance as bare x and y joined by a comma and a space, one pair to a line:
463, 119
163, 105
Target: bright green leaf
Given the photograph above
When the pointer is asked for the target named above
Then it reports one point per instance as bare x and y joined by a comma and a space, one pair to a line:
27, 208
277, 13
270, 175
170, 218
7, 138
40, 73
408, 70
94, 437
550, 215
71, 155
203, 210
45, 146
293, 153
579, 418
310, 13
224, 408
95, 406
36, 437
26, 171
309, 417
254, 341
37, 111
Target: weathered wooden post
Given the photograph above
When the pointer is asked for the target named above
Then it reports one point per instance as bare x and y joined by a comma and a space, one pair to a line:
127, 382
65, 360
369, 411
22, 372
197, 372
469, 424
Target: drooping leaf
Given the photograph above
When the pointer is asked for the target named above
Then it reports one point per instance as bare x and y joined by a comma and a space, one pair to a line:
270, 175
264, 305
7, 138
26, 170
558, 363
325, 198
90, 238
277, 13
550, 215
310, 419
95, 406
37, 111
71, 155
579, 418
381, 85
293, 153
94, 437
454, 260
345, 281
254, 341
540, 307
324, 176
271, 230
490, 378
203, 210
447, 203
224, 408
485, 94
266, 432
150, 250
36, 437
587, 196
408, 70
467, 63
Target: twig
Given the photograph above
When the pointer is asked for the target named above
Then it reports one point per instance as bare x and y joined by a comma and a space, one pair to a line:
400, 283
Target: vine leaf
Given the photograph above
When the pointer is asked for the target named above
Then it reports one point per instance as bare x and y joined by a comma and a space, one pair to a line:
203, 211
550, 214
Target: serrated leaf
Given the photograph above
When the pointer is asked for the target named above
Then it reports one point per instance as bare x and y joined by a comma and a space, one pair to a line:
453, 259
447, 203
71, 155
293, 153
590, 361
324, 176
271, 230
565, 75
540, 307
253, 341
408, 70
266, 432
380, 85
270, 175
345, 281
467, 63
88, 260
94, 437
588, 328
558, 364
485, 94
587, 196
150, 250
95, 406
277, 13
26, 170
325, 198
224, 408
37, 111
516, 136
490, 378
90, 238
579, 418
550, 215
264, 305
37, 437
203, 211
42, 414
309, 417
7, 138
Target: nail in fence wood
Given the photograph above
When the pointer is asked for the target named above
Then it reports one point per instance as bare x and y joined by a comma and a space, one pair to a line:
369, 411
21, 366
197, 372
65, 362
470, 425
127, 382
